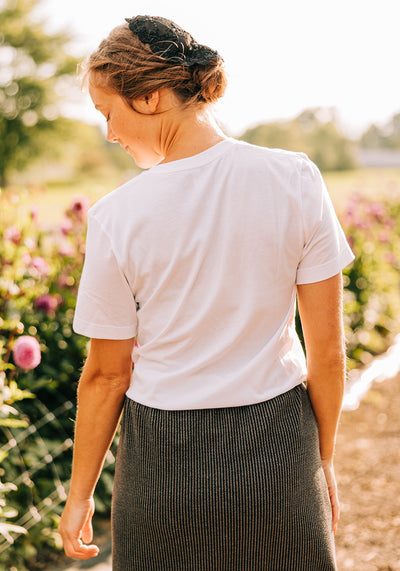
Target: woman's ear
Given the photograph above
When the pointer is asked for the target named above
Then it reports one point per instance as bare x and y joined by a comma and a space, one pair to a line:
147, 104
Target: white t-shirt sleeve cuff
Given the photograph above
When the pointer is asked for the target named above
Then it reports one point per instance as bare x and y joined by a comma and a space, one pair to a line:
96, 331
326, 270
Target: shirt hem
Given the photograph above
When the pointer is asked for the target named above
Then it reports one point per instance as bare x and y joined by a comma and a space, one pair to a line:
268, 396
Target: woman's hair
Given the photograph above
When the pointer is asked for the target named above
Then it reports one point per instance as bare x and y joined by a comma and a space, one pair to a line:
127, 66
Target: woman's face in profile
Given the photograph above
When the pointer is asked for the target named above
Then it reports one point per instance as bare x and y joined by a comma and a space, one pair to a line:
136, 132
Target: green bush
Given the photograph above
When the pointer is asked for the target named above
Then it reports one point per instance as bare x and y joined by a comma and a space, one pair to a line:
372, 283
40, 271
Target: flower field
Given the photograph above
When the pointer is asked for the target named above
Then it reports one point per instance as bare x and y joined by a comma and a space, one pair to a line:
40, 362
41, 357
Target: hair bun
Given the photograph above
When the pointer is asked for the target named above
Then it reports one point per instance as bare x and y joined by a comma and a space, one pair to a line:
211, 80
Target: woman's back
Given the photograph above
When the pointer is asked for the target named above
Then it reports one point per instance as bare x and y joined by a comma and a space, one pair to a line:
212, 247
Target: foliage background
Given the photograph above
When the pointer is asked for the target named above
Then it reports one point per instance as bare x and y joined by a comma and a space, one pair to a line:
37, 74
38, 286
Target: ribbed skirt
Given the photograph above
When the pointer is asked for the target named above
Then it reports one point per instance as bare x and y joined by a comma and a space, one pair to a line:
222, 489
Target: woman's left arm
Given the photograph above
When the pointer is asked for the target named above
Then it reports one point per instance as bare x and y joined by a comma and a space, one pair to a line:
104, 381
321, 306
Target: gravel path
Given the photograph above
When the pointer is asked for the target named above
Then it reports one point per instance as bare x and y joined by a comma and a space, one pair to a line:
368, 473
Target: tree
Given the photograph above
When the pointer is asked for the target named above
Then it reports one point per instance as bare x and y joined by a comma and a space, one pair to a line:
386, 137
314, 132
33, 64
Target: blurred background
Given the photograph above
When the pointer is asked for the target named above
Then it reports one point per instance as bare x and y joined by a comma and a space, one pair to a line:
318, 77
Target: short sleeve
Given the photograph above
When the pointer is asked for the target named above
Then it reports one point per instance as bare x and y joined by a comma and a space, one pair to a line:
105, 307
326, 251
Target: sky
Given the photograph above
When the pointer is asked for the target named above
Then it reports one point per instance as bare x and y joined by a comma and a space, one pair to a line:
281, 56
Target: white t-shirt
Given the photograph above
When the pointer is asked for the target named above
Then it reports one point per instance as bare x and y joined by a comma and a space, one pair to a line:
200, 259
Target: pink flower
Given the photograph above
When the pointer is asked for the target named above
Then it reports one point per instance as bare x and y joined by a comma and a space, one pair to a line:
41, 265
26, 352
47, 303
79, 207
362, 224
66, 226
66, 249
13, 234
375, 209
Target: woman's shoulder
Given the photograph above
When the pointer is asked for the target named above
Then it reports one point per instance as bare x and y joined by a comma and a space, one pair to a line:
274, 161
269, 154
122, 197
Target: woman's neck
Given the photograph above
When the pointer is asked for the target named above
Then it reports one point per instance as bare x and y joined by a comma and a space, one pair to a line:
188, 133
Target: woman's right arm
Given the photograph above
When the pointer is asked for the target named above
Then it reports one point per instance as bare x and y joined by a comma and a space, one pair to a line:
320, 307
101, 392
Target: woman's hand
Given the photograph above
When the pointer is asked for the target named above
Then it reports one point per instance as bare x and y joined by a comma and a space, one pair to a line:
76, 529
327, 466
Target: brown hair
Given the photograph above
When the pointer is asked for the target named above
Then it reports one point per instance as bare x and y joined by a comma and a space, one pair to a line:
130, 68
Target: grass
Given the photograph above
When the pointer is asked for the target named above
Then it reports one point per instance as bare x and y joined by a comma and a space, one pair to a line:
373, 183
54, 197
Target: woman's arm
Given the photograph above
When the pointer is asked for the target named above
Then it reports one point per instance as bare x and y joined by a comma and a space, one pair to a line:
321, 306
102, 386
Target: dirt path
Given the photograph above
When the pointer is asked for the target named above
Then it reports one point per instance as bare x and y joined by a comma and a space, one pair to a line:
368, 473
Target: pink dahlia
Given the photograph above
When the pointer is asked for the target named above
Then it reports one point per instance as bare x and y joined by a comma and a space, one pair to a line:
66, 249
41, 265
47, 303
78, 208
26, 352
13, 234
66, 226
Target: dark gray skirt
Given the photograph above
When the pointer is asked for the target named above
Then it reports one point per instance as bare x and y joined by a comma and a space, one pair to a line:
222, 489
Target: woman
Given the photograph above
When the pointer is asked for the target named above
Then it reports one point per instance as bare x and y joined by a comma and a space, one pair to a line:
199, 259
